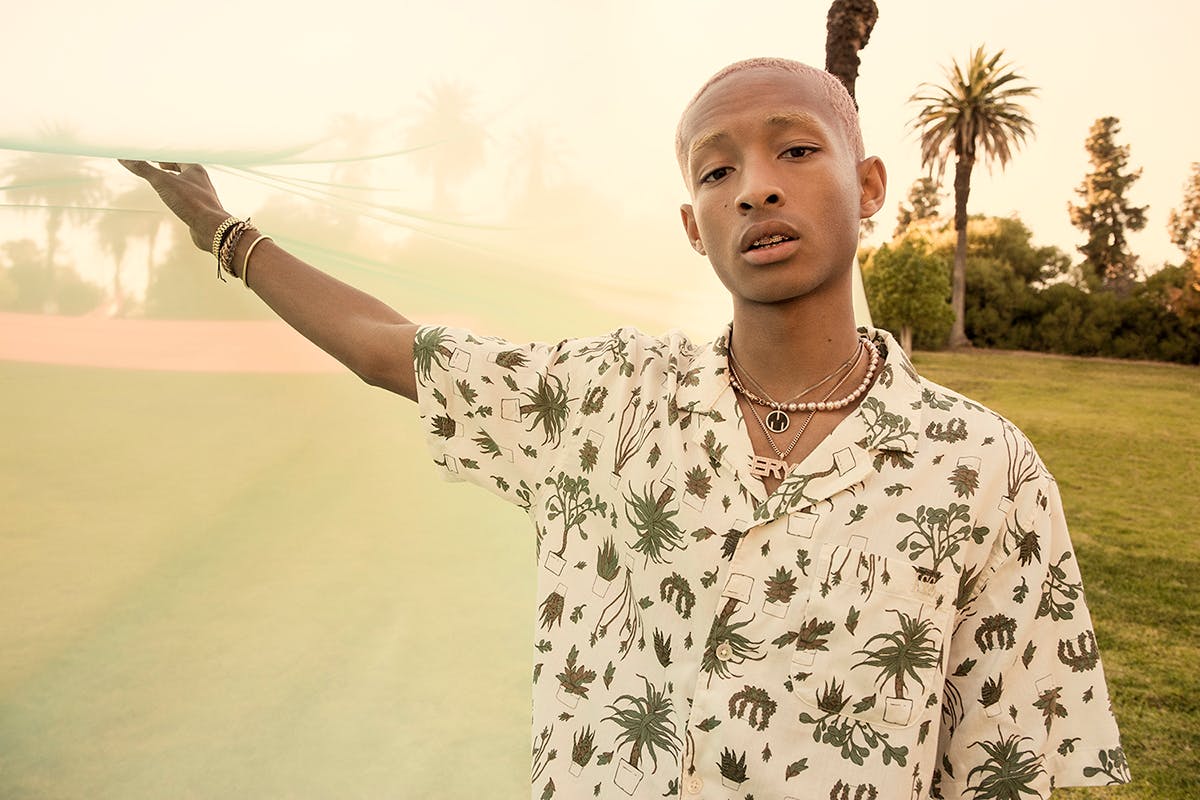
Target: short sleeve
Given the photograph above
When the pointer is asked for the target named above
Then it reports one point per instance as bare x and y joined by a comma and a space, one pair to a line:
494, 413
1026, 707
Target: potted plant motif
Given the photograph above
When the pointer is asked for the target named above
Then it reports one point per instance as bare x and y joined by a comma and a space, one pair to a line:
733, 769
574, 680
607, 567
645, 723
582, 750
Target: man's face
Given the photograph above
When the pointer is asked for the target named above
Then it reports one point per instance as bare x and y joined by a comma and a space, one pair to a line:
777, 191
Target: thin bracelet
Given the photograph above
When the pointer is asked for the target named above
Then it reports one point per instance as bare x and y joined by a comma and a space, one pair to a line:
246, 259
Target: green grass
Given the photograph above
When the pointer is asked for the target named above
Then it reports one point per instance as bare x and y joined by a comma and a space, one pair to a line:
254, 586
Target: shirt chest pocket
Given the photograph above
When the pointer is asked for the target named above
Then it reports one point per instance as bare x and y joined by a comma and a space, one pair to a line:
870, 644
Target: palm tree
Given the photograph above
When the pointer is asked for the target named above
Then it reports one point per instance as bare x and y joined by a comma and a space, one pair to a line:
134, 215
847, 30
904, 651
60, 186
450, 138
977, 110
645, 723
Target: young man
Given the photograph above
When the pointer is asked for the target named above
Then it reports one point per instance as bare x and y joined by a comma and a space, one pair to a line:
779, 564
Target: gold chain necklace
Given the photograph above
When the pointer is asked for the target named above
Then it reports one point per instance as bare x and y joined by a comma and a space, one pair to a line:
764, 466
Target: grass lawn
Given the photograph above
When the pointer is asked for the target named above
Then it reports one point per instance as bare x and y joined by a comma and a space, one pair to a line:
222, 586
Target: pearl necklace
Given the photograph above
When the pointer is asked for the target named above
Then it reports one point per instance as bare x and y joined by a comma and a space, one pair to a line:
853, 358
778, 420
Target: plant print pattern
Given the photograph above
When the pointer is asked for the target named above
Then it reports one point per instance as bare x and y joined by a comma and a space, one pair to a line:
902, 618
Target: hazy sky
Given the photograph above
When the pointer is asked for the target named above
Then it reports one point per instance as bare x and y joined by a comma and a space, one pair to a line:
606, 81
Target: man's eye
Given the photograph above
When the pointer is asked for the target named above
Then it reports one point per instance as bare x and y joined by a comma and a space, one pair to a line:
715, 175
799, 151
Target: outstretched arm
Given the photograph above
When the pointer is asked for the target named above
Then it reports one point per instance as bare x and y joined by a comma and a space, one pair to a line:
366, 335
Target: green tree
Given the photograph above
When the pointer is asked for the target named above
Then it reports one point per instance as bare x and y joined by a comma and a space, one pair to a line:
1183, 223
1105, 213
848, 28
975, 113
924, 197
908, 288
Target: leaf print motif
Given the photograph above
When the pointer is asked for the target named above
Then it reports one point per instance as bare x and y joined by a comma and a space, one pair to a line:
953, 431
676, 589
572, 503
636, 424
429, 349
593, 400
811, 636
885, 430
511, 359
1008, 773
652, 520
940, 534
468, 394
552, 610
1049, 703
698, 482
589, 454
487, 445
755, 700
444, 426
547, 404
1058, 592
645, 722
911, 650
575, 677
781, 586
965, 480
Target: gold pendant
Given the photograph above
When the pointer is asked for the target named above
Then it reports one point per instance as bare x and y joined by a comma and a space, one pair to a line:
777, 421
763, 467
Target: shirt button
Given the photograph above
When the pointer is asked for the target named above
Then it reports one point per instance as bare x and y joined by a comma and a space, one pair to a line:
695, 784
724, 651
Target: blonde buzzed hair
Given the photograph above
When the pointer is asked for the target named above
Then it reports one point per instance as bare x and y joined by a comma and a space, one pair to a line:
844, 110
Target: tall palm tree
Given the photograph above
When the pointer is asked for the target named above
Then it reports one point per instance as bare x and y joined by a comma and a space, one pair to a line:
847, 30
61, 187
975, 112
450, 138
134, 214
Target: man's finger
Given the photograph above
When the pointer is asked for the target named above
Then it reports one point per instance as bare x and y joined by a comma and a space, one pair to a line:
142, 169
170, 166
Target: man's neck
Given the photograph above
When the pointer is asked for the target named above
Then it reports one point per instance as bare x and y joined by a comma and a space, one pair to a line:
787, 346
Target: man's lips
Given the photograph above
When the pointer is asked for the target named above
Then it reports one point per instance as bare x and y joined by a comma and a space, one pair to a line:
766, 235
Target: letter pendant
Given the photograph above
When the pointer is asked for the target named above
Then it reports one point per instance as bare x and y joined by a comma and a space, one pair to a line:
763, 467
777, 421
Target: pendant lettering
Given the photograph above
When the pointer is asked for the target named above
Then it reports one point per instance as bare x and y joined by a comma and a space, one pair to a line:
777, 421
763, 467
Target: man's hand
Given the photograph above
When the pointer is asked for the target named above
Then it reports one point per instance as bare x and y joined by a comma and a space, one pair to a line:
188, 193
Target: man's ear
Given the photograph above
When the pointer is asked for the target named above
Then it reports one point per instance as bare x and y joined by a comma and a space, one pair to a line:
872, 178
688, 215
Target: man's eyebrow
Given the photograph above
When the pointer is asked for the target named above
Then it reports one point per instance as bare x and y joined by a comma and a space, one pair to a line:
782, 119
707, 140
801, 119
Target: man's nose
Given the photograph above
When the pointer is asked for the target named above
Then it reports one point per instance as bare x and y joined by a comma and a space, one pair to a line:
759, 190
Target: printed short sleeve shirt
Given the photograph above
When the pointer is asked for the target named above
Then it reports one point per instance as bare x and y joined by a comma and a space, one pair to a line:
902, 618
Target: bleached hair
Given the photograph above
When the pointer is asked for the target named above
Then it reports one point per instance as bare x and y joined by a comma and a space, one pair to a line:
840, 102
